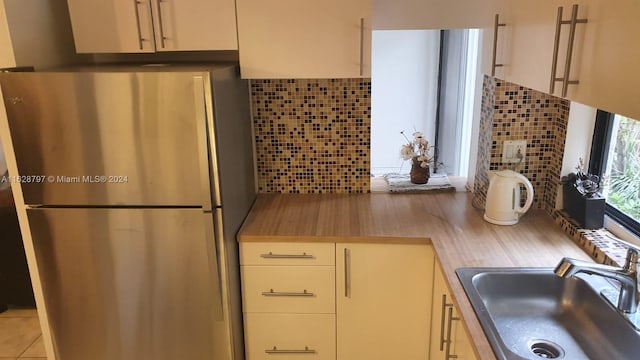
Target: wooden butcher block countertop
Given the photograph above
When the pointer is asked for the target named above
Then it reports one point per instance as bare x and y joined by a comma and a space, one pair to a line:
457, 231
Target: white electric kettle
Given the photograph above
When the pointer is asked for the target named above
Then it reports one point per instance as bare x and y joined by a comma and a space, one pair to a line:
503, 197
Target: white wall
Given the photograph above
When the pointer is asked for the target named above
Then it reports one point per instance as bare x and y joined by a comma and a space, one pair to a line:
403, 92
477, 112
580, 127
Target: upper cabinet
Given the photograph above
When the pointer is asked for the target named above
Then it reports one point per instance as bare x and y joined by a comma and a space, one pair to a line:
35, 33
606, 59
524, 44
433, 14
304, 39
603, 65
138, 26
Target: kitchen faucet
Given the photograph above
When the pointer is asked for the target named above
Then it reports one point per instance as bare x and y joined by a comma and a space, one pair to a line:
627, 276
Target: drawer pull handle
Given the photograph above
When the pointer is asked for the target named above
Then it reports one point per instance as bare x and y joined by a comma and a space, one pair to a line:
275, 350
271, 255
277, 293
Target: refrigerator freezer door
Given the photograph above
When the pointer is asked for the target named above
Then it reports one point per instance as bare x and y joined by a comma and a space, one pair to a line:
130, 284
109, 139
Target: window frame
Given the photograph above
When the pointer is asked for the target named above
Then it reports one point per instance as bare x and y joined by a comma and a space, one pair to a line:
597, 164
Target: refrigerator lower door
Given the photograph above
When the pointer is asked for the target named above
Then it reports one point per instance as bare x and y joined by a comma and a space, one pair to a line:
130, 284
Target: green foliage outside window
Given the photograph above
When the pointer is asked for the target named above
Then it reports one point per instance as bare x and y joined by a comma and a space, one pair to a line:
624, 187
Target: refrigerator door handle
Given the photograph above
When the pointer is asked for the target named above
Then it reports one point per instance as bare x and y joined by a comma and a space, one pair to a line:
203, 141
211, 237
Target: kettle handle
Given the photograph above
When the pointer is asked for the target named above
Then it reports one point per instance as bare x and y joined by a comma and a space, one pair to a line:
527, 184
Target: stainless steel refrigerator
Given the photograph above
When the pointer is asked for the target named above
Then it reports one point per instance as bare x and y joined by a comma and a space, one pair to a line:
139, 178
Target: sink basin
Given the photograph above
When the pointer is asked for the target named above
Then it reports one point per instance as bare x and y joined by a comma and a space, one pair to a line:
530, 313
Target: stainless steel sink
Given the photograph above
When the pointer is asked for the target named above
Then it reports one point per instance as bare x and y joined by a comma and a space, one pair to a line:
530, 313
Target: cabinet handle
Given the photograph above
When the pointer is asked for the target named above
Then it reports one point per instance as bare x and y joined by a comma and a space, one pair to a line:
572, 36
136, 3
275, 350
361, 46
496, 25
447, 354
279, 293
271, 255
161, 24
445, 305
347, 273
567, 65
556, 45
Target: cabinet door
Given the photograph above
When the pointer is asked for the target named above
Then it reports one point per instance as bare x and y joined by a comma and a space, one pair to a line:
448, 335
383, 301
606, 60
111, 26
304, 39
195, 25
604, 57
525, 44
441, 303
462, 347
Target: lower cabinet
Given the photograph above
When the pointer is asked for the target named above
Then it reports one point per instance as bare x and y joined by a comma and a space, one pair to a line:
348, 301
383, 301
288, 300
449, 339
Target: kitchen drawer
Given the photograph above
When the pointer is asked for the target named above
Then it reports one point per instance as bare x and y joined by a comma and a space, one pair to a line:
311, 334
282, 289
258, 253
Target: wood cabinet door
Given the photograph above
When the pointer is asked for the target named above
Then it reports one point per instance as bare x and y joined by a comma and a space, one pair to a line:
112, 26
604, 54
606, 57
441, 302
447, 326
525, 44
195, 25
383, 301
462, 347
304, 39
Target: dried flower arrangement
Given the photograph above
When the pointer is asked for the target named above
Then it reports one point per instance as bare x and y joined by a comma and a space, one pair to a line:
416, 150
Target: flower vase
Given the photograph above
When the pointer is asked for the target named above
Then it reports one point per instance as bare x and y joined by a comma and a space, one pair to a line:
419, 175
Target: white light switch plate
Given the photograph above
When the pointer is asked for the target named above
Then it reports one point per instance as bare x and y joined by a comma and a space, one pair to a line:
512, 149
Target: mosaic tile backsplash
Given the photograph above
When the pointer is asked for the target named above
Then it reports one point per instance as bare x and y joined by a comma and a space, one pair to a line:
312, 136
600, 244
513, 112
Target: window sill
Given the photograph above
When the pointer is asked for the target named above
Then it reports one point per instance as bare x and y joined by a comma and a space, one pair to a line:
601, 244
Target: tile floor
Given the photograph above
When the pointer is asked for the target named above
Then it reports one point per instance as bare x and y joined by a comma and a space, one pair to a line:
20, 336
